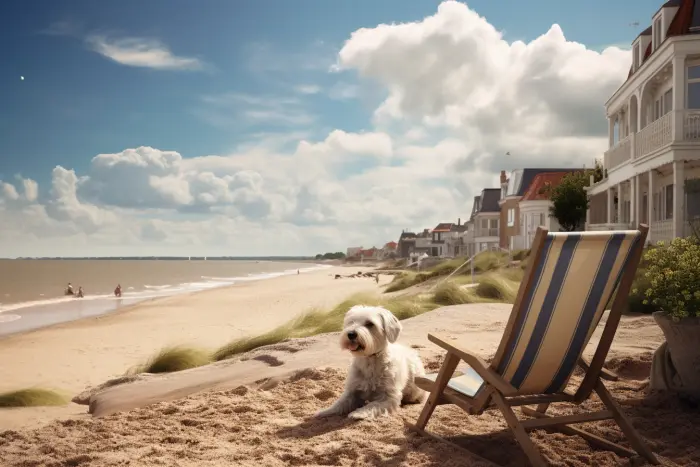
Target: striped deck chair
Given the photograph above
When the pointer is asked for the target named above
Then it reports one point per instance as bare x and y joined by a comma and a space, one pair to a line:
569, 280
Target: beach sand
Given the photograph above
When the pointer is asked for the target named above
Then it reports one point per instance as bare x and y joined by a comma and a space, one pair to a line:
259, 411
75, 355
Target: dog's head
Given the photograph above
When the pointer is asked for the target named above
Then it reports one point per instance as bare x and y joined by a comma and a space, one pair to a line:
368, 329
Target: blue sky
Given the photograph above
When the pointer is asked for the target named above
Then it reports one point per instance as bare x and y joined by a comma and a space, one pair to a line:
74, 103
229, 73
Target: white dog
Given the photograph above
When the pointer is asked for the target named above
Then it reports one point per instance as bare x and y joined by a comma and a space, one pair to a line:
382, 372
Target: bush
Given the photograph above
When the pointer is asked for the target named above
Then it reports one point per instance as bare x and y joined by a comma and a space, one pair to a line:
32, 397
173, 359
673, 275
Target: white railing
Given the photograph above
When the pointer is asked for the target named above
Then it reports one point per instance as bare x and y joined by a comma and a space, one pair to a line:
691, 125
661, 230
654, 136
618, 154
493, 232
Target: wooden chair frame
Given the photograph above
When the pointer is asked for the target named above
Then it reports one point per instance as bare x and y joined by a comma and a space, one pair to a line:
496, 392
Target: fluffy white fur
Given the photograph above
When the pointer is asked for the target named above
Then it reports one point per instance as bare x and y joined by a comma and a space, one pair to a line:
382, 372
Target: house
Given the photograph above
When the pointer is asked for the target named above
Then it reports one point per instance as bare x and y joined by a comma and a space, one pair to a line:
485, 219
512, 190
388, 250
353, 252
654, 131
534, 209
443, 238
406, 244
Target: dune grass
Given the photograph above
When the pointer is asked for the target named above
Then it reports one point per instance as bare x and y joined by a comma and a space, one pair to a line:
450, 293
317, 322
32, 397
171, 359
495, 286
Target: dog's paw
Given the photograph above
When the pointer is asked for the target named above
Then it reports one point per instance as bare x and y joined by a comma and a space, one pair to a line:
325, 413
361, 415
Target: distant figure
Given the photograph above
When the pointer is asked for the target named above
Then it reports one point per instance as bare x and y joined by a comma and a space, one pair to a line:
69, 289
337, 276
297, 272
376, 278
118, 291
80, 292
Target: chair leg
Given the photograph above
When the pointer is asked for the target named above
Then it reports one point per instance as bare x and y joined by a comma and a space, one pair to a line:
631, 434
521, 436
446, 371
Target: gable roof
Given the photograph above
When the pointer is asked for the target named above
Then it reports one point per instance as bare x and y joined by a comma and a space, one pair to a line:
443, 227
534, 193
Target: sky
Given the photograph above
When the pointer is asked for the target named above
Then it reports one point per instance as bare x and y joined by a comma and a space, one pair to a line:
277, 127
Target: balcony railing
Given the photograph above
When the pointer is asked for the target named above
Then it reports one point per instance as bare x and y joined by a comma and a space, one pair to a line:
675, 126
619, 154
654, 136
493, 232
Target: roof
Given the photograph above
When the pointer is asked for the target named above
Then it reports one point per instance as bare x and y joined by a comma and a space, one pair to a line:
535, 193
524, 178
443, 227
489, 200
391, 244
407, 236
458, 228
686, 21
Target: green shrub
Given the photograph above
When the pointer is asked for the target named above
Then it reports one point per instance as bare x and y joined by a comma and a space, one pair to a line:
673, 275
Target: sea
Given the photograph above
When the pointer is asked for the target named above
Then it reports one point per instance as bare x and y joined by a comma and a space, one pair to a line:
32, 290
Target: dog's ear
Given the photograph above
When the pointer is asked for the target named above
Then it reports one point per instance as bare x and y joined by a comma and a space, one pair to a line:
392, 326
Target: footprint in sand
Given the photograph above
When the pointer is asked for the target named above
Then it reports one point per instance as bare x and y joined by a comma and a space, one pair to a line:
269, 359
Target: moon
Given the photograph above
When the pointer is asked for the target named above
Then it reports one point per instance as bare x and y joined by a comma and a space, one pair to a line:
21, 78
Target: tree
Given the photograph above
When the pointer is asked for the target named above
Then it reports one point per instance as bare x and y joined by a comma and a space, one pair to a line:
570, 200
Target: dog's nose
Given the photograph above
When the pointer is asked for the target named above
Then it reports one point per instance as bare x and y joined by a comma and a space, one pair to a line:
352, 335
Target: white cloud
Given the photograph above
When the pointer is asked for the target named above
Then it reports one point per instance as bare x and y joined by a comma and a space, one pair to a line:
141, 52
344, 91
457, 97
308, 89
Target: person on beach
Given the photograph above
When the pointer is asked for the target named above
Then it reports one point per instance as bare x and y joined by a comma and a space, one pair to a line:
80, 292
118, 291
69, 289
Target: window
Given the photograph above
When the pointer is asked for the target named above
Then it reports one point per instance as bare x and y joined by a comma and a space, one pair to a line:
668, 101
511, 217
494, 223
635, 57
541, 218
693, 94
656, 38
484, 223
669, 201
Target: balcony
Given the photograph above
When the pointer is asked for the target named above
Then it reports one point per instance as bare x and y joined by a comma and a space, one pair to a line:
492, 232
654, 137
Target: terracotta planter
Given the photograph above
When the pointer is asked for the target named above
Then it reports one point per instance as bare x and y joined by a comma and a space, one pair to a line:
676, 364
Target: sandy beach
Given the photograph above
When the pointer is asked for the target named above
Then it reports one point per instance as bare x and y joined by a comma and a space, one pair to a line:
75, 355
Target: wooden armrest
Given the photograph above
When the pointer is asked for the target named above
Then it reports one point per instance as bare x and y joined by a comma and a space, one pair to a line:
477, 364
604, 372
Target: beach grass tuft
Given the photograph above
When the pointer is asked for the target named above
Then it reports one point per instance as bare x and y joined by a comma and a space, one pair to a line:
172, 359
497, 287
316, 322
450, 293
32, 397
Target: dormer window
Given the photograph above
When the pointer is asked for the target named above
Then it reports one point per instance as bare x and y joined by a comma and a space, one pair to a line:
657, 33
635, 57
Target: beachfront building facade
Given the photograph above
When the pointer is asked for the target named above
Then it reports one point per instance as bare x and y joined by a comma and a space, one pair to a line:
534, 210
446, 239
513, 188
652, 166
485, 219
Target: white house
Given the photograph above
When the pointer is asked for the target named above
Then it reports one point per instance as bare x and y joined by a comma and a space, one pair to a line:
534, 209
654, 131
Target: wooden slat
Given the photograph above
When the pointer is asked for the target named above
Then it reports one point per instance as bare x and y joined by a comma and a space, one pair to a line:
539, 399
567, 419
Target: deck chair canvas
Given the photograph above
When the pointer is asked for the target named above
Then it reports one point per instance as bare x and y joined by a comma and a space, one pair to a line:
569, 280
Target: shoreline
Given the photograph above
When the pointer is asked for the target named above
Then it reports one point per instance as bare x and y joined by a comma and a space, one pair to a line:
23, 317
75, 355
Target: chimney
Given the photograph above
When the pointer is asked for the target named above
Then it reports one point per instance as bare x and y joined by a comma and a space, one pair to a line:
504, 179
459, 221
